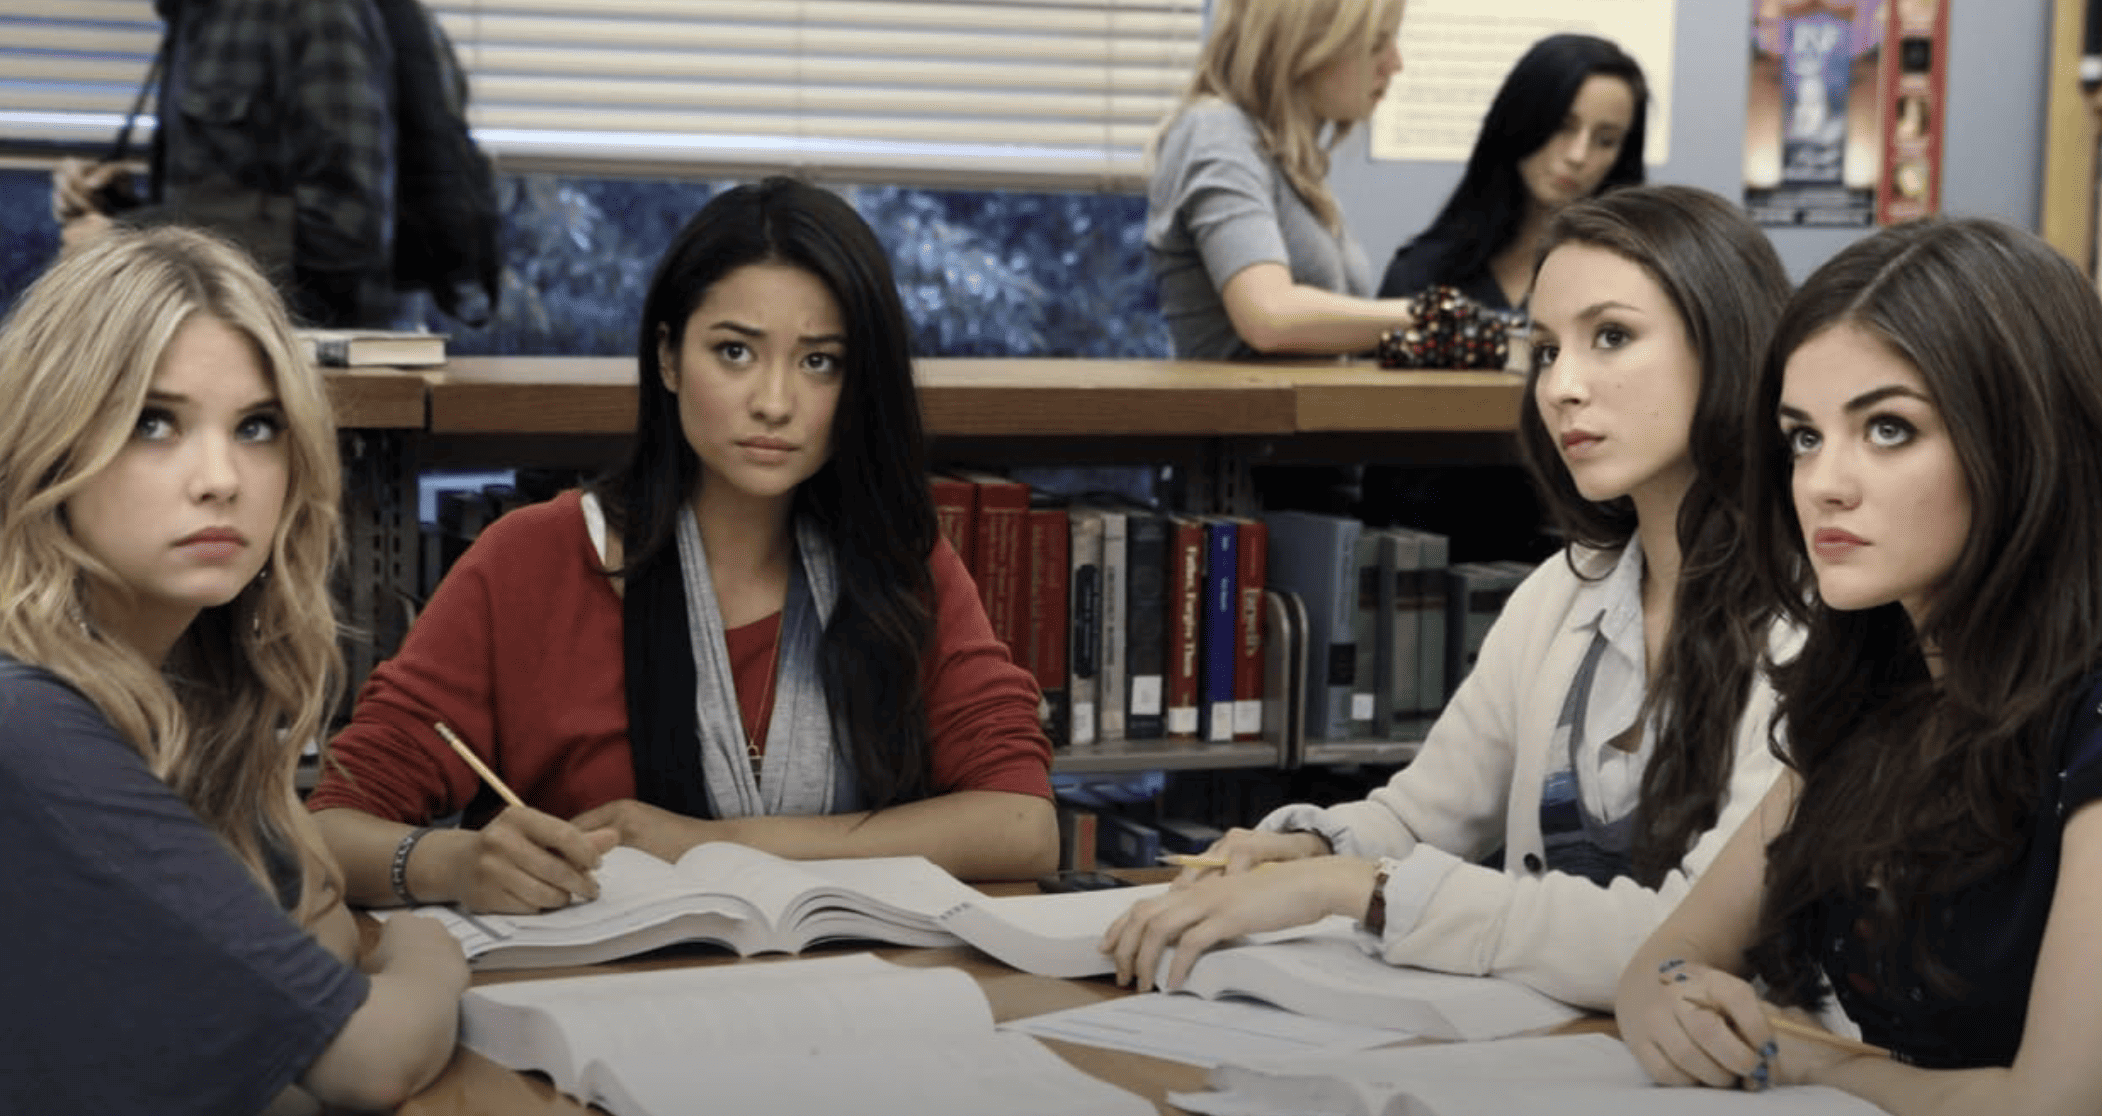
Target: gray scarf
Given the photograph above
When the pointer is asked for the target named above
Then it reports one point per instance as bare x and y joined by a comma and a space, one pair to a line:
800, 773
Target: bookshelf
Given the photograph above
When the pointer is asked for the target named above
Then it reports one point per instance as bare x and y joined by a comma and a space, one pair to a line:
1213, 421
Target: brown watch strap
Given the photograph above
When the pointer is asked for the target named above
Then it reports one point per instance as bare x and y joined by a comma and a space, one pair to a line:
1376, 910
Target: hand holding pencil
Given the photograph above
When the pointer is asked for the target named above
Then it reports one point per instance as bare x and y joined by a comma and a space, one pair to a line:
524, 860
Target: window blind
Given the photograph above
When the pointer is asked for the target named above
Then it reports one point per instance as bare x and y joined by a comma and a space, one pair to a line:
944, 91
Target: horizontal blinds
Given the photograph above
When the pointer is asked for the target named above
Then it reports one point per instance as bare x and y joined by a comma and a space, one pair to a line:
961, 90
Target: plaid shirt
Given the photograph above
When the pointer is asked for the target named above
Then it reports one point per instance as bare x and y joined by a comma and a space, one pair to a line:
291, 98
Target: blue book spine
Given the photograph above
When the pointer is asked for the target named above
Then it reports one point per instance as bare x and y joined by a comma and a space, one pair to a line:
1221, 602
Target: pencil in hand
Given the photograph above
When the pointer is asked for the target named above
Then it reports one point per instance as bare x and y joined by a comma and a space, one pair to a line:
475, 762
1791, 1026
1189, 860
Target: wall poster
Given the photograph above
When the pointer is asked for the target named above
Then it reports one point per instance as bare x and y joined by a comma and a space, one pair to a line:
1844, 119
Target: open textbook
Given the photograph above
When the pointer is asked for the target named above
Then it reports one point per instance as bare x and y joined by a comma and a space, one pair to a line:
851, 1033
732, 895
1563, 1075
1324, 970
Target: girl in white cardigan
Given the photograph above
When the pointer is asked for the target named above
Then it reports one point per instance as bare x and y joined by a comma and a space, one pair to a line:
1615, 729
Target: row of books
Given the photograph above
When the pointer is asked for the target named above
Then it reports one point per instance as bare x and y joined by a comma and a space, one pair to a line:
1137, 624
1145, 625
1392, 625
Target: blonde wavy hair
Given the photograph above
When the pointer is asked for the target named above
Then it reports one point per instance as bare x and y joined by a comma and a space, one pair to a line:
1258, 58
249, 682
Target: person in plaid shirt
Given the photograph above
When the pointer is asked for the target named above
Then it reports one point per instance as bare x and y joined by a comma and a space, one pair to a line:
276, 129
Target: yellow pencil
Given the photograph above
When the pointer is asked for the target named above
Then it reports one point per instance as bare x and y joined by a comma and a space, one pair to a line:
1187, 860
480, 768
1802, 1030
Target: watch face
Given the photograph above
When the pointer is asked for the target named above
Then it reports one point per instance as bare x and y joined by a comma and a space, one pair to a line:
1915, 54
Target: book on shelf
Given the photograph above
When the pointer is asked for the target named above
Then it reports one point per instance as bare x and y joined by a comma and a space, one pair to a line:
1222, 603
955, 508
1364, 634
1084, 637
1396, 707
1145, 623
1110, 666
1324, 969
1045, 611
730, 895
1475, 596
1568, 1075
1251, 552
1077, 837
998, 561
373, 348
1432, 561
1315, 556
1186, 647
851, 1033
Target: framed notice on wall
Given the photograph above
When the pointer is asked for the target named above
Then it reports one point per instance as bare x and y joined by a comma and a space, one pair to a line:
1456, 53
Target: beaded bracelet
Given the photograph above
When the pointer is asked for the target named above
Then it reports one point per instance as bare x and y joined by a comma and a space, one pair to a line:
1450, 331
398, 871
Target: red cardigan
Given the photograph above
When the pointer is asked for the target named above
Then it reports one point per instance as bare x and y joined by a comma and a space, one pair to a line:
519, 651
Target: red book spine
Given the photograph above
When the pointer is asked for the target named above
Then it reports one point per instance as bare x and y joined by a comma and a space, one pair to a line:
1000, 561
1045, 614
1248, 630
1186, 538
955, 501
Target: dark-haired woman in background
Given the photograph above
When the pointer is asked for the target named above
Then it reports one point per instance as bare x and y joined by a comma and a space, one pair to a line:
1568, 122
749, 631
1922, 497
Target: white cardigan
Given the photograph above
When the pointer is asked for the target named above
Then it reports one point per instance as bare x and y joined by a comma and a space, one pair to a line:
1476, 784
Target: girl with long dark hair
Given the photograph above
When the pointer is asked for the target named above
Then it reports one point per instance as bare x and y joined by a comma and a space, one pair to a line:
1612, 734
1927, 445
750, 630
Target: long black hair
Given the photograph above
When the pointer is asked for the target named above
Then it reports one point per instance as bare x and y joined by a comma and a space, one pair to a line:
870, 498
1727, 285
1915, 785
1486, 208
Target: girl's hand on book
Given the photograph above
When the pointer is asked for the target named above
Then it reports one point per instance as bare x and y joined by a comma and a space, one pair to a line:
1243, 849
1221, 907
525, 861
1695, 1025
653, 829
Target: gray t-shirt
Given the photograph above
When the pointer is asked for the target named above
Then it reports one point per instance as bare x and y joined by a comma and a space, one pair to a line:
1218, 203
147, 971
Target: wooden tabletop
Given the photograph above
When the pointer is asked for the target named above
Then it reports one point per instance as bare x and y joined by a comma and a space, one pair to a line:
1036, 397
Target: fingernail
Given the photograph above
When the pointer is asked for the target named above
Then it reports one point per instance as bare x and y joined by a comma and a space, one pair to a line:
1771, 1050
1671, 964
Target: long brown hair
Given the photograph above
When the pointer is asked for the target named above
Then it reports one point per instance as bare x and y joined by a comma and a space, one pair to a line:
1917, 785
1726, 283
248, 683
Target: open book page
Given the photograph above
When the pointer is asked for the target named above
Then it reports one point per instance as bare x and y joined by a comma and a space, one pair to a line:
1568, 1075
739, 897
891, 898
561, 1025
971, 1075
1052, 935
1200, 1032
851, 1033
1328, 970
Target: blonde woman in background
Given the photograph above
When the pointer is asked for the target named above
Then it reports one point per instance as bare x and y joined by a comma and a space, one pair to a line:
168, 520
1245, 240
